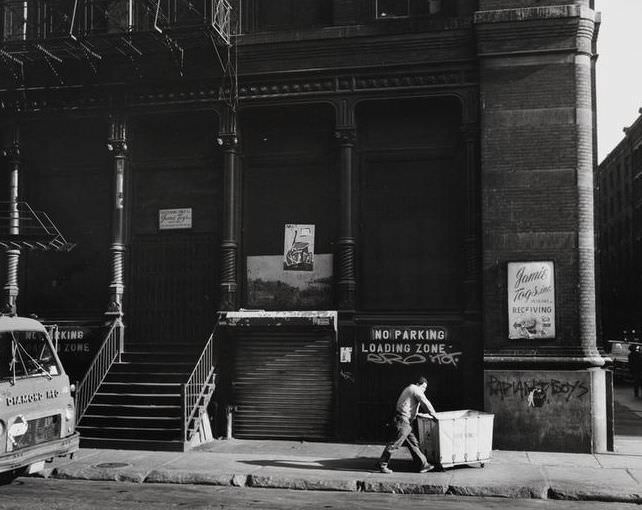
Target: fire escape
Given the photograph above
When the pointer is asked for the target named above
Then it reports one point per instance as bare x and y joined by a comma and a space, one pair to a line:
128, 398
49, 33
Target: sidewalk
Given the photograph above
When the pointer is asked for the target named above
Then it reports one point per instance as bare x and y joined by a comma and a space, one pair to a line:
348, 467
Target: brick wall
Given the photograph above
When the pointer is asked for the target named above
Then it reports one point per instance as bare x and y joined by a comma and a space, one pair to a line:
537, 159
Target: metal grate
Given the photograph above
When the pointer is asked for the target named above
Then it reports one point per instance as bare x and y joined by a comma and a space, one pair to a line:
39, 430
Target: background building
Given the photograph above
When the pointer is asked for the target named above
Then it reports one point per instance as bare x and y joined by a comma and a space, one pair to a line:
619, 209
422, 167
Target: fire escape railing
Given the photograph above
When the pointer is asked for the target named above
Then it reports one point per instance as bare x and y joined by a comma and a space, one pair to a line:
23, 227
198, 390
41, 20
109, 351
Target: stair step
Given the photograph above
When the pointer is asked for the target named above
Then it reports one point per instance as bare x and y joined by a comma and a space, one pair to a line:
191, 348
140, 388
151, 410
138, 377
155, 399
131, 433
133, 422
139, 366
158, 357
132, 444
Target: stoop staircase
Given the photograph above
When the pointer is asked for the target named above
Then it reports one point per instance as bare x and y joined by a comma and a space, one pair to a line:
152, 397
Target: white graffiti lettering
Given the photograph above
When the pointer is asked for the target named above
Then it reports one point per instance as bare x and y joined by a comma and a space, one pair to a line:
386, 358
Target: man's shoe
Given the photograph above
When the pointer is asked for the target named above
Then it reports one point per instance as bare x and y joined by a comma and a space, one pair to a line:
385, 469
426, 469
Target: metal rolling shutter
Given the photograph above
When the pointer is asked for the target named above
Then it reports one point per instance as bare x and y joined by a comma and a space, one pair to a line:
283, 383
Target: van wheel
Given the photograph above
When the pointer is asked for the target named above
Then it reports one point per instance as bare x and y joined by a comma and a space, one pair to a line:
9, 476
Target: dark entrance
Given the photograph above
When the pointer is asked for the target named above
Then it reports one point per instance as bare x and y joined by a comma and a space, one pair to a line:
173, 284
280, 375
171, 287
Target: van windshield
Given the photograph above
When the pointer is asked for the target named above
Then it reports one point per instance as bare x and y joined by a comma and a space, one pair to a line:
26, 354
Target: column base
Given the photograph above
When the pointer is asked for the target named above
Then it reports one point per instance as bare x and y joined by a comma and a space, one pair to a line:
548, 410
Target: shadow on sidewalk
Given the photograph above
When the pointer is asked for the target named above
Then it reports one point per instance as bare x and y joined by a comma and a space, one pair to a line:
351, 464
357, 464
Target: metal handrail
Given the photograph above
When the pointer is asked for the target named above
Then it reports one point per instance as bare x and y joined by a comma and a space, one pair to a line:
110, 349
196, 394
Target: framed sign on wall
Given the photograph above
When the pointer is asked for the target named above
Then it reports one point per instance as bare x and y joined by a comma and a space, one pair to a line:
175, 219
531, 300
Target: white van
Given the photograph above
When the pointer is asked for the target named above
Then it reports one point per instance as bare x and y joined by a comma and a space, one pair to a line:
37, 411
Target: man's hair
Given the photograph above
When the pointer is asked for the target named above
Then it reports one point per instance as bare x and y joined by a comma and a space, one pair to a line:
422, 380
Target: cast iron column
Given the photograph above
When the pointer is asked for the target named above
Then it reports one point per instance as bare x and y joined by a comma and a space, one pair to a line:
14, 162
472, 282
117, 145
347, 243
229, 141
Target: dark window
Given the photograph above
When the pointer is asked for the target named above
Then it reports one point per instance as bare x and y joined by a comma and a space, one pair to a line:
392, 8
411, 206
292, 14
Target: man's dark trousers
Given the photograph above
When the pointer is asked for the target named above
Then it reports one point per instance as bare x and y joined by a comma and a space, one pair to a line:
404, 435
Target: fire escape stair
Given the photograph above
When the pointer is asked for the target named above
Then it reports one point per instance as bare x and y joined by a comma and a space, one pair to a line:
139, 404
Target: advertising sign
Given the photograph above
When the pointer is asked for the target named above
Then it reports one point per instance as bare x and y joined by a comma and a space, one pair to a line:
298, 248
531, 300
175, 219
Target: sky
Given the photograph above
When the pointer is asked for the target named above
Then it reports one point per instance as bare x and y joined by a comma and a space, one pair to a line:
619, 70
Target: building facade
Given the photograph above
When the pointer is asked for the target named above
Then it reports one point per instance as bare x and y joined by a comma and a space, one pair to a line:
619, 209
422, 167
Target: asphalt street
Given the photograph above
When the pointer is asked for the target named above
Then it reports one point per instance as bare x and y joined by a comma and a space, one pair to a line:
48, 494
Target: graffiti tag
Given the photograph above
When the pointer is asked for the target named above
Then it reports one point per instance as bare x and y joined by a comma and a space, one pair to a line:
389, 358
534, 390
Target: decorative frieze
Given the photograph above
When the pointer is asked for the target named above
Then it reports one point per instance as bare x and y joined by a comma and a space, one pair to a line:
189, 93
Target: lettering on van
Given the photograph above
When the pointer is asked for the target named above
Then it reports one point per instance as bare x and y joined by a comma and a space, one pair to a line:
30, 398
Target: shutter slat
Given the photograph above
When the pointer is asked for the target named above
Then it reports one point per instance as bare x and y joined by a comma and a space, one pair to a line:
283, 384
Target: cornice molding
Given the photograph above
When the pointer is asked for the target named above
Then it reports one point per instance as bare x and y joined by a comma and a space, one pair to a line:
186, 94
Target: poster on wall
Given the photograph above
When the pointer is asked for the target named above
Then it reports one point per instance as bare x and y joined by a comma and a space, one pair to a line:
298, 248
531, 300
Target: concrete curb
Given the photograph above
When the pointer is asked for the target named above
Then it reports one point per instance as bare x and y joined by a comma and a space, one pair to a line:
534, 489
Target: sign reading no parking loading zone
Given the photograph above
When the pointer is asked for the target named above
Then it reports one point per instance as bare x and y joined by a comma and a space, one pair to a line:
409, 345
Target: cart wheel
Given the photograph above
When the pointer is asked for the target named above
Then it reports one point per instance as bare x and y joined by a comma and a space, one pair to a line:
482, 464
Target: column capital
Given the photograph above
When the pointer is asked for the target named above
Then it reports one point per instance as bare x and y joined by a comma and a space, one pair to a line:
117, 139
118, 147
12, 152
346, 135
228, 141
11, 149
